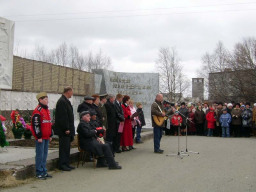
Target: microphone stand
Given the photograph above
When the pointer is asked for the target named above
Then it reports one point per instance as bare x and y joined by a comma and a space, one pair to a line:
179, 154
185, 152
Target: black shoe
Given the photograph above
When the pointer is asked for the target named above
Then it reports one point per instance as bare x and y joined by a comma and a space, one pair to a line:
65, 168
118, 151
47, 175
41, 177
70, 167
115, 167
138, 142
159, 151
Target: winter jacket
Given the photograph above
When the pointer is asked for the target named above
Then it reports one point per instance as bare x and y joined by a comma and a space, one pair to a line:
184, 112
41, 122
225, 120
210, 117
236, 116
176, 120
141, 116
155, 111
246, 118
254, 115
199, 116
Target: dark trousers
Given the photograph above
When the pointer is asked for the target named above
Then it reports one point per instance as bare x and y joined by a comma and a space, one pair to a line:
217, 131
114, 140
200, 129
64, 151
108, 155
158, 131
237, 132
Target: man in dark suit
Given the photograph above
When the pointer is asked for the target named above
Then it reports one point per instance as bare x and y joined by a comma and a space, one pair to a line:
112, 121
120, 118
64, 127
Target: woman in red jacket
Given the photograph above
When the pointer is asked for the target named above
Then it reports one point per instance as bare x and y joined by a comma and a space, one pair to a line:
211, 119
127, 139
176, 122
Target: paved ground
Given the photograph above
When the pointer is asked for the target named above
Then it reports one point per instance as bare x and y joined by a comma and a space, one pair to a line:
18, 153
227, 165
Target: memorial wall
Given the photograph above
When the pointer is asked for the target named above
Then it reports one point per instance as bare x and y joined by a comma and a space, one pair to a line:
141, 87
36, 76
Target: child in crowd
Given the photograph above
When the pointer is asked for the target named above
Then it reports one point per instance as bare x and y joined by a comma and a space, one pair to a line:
210, 117
140, 122
225, 120
176, 122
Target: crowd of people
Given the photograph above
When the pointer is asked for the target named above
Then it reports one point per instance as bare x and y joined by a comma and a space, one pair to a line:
218, 119
107, 126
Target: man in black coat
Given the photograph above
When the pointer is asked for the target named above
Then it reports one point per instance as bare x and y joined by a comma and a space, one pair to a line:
120, 118
90, 142
64, 127
86, 105
112, 129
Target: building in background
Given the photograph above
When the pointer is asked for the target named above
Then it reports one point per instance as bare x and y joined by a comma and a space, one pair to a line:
197, 89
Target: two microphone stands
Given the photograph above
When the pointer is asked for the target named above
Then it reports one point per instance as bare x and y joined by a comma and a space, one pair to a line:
180, 154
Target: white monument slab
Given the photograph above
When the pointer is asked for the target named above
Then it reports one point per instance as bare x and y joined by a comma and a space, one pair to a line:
6, 53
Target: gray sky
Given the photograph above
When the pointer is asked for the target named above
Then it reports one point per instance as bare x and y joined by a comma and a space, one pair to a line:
132, 31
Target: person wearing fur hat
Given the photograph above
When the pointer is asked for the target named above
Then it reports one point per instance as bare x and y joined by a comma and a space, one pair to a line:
42, 131
211, 119
236, 120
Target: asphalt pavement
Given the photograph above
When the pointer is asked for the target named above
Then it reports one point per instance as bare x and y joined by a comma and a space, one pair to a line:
222, 165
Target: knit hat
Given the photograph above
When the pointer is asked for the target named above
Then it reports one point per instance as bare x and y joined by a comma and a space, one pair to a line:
225, 109
183, 103
242, 105
254, 104
40, 95
229, 105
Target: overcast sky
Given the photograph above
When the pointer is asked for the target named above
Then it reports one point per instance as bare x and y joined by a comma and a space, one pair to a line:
132, 31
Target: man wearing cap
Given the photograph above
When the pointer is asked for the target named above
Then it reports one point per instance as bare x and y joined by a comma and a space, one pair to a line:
90, 142
42, 131
102, 108
64, 126
86, 105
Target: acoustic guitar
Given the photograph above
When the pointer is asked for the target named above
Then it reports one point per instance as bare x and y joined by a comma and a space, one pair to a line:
159, 120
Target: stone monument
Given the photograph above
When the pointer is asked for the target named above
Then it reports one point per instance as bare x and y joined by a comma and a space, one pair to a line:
6, 53
141, 87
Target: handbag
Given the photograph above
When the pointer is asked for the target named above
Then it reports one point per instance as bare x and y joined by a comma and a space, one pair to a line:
121, 127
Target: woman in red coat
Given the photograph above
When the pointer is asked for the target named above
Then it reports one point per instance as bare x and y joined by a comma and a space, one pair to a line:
211, 119
127, 139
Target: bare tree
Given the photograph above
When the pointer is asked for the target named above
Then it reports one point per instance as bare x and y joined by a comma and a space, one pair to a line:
230, 74
170, 71
97, 61
213, 64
